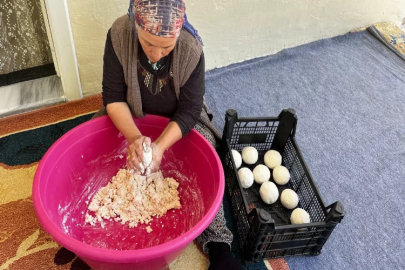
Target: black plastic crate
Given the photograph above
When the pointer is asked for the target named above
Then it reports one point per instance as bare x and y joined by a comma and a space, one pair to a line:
264, 231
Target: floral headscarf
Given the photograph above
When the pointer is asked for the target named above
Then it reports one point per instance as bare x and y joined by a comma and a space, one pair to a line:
162, 18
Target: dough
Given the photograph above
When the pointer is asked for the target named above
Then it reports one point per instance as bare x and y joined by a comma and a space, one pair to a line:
249, 155
147, 159
134, 199
299, 216
272, 159
237, 158
281, 175
147, 155
245, 177
261, 174
268, 192
289, 199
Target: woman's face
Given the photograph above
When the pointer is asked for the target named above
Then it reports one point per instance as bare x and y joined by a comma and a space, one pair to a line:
155, 47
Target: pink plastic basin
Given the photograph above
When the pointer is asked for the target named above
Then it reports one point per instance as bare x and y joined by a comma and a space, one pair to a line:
85, 159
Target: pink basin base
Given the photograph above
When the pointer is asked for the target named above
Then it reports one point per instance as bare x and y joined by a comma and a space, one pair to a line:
86, 158
156, 263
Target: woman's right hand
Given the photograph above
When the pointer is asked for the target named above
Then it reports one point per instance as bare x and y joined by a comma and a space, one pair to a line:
135, 152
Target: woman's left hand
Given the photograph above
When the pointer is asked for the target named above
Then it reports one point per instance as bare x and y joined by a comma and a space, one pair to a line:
157, 155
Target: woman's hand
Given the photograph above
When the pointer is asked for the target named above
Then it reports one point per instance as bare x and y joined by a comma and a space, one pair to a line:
135, 158
157, 155
169, 136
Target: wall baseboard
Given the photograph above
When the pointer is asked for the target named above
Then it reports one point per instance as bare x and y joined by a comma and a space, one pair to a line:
32, 106
27, 74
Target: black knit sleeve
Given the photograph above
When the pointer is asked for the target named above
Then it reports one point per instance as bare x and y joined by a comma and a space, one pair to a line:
114, 86
191, 99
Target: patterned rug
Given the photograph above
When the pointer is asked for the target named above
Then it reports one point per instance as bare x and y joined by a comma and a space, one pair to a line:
24, 139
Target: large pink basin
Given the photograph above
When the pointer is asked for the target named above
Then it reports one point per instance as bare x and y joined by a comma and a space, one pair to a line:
85, 159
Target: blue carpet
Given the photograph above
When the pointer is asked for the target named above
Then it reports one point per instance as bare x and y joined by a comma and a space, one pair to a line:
348, 94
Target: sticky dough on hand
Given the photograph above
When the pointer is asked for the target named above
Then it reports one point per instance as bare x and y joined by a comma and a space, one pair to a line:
147, 155
147, 159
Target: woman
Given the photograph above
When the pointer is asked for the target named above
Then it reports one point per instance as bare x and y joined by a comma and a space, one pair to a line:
154, 63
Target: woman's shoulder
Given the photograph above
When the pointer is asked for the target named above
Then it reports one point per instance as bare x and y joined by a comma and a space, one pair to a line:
188, 42
121, 33
121, 24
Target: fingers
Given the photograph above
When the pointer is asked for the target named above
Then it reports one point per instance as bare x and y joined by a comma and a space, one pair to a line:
134, 153
157, 155
132, 160
147, 142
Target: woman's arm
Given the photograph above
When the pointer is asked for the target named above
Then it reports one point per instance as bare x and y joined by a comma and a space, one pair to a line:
121, 116
187, 113
169, 136
188, 109
191, 98
114, 99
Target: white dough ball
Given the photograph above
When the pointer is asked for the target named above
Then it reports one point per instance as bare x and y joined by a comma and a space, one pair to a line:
237, 158
147, 157
289, 199
299, 216
272, 159
261, 174
249, 155
268, 192
281, 175
245, 177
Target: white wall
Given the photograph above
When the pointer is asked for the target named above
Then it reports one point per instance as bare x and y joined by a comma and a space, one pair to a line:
232, 30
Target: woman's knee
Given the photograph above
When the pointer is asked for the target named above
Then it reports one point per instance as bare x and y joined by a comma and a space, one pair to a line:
101, 112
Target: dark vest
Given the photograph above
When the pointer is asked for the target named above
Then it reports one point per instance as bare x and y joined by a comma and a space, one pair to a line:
186, 55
